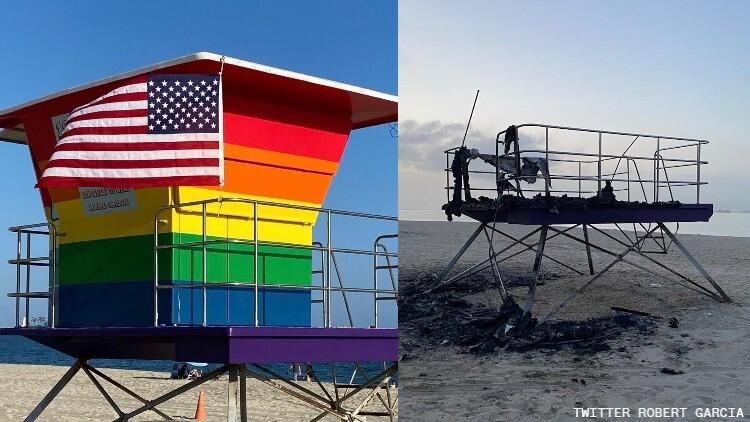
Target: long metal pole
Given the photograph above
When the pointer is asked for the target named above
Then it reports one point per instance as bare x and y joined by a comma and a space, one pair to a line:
52, 274
342, 290
468, 124
54, 391
698, 175
627, 163
537, 270
375, 284
28, 275
695, 263
460, 252
546, 158
243, 393
233, 393
18, 278
599, 167
156, 270
447, 178
327, 302
204, 260
255, 264
497, 168
657, 173
588, 249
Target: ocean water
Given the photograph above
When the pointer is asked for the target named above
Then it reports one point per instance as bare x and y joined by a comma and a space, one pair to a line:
19, 350
721, 224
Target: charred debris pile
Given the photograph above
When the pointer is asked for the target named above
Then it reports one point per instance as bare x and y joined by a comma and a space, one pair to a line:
442, 317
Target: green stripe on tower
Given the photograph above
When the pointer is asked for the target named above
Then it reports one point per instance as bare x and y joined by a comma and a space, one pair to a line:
132, 259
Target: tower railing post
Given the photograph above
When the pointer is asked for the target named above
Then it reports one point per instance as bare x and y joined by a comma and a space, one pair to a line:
375, 283
256, 311
327, 292
599, 169
204, 261
698, 175
156, 268
18, 278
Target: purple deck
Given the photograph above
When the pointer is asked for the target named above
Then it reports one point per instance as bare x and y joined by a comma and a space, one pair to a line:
233, 345
543, 216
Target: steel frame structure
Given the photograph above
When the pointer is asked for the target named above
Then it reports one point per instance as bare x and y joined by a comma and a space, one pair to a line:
326, 248
347, 405
495, 257
329, 265
347, 401
648, 222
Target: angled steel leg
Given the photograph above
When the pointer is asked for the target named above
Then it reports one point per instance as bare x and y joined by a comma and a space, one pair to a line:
232, 393
461, 252
532, 248
697, 287
537, 268
495, 270
103, 392
125, 389
55, 391
480, 266
588, 249
330, 406
243, 393
176, 392
695, 263
580, 290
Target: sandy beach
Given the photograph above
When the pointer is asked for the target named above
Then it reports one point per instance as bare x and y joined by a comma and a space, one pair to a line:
24, 385
710, 346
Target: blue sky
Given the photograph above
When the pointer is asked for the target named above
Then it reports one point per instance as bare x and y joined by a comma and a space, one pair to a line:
48, 46
670, 67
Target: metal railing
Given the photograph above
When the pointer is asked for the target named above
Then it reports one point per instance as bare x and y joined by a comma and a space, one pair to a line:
388, 266
24, 262
328, 252
564, 163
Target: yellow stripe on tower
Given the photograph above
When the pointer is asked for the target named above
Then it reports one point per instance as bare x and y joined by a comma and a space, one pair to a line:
225, 219
234, 220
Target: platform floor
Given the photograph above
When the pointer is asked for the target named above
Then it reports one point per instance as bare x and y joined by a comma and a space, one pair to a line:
227, 345
600, 215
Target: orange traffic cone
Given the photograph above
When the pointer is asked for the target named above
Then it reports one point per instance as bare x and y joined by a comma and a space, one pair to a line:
200, 409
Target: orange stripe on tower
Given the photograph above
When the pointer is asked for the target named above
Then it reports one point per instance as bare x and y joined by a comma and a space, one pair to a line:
274, 182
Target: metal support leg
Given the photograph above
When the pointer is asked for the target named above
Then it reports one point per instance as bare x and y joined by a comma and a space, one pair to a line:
588, 249
54, 391
150, 405
461, 252
618, 258
125, 389
495, 270
695, 263
347, 407
698, 288
531, 248
243, 393
480, 266
537, 268
103, 392
232, 393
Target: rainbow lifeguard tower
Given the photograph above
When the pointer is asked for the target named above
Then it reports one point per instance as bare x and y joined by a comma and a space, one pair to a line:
638, 186
228, 274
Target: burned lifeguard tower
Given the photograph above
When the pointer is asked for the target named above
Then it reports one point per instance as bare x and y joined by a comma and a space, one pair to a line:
556, 179
243, 274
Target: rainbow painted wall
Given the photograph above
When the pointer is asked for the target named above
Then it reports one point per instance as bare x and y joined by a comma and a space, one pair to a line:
106, 261
284, 135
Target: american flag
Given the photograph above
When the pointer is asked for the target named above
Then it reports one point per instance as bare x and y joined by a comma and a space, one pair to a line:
156, 130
